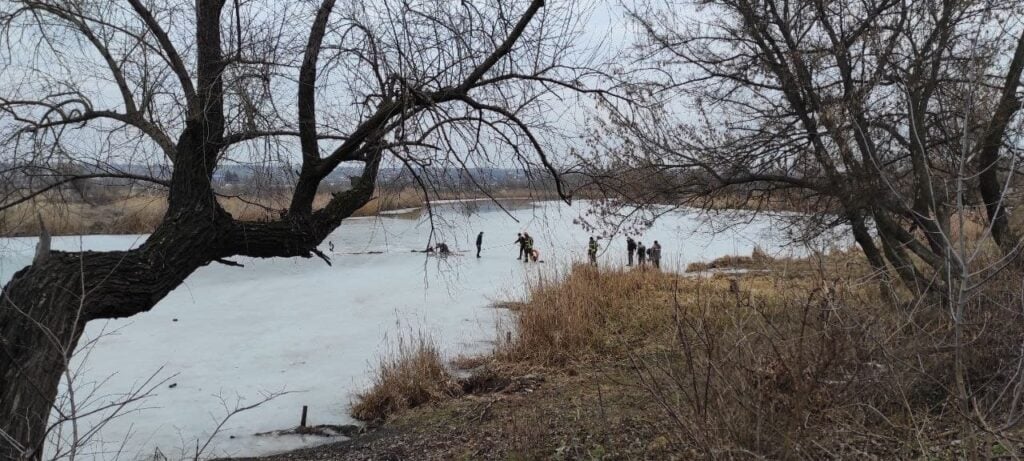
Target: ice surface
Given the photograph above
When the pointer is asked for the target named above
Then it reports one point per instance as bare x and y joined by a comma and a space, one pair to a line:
315, 330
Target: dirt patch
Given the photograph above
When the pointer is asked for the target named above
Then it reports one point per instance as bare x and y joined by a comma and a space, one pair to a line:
533, 416
323, 430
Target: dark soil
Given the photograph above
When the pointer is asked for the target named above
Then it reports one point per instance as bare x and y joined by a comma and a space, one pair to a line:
583, 414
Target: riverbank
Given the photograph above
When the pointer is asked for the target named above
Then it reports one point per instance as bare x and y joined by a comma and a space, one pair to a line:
139, 211
813, 361
315, 330
133, 212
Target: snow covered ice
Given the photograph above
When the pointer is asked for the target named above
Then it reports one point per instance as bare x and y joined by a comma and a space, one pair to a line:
316, 331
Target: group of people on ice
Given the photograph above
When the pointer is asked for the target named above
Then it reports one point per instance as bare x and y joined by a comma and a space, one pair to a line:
644, 254
527, 252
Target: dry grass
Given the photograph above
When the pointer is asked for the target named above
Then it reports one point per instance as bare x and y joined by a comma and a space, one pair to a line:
131, 215
411, 375
586, 315
800, 365
758, 260
590, 313
139, 213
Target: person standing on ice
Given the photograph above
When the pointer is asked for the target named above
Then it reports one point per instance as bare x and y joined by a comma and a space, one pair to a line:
630, 249
641, 254
521, 241
479, 243
527, 247
592, 251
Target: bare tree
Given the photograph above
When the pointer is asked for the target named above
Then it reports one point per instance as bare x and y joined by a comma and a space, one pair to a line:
864, 108
185, 86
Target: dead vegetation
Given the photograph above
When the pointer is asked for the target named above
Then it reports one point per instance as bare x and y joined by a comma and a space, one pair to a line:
411, 375
139, 212
793, 363
758, 260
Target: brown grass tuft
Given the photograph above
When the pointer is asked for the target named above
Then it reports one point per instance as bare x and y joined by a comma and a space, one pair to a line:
470, 362
758, 260
586, 315
410, 376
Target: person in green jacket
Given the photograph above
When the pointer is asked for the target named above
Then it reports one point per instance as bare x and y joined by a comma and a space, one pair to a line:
528, 246
592, 251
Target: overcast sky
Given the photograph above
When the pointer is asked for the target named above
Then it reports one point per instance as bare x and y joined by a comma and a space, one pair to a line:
605, 33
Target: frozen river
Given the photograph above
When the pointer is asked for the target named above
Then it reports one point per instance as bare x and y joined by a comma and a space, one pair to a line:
229, 335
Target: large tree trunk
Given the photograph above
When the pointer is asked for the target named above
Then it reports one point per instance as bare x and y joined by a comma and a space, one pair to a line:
45, 307
989, 184
40, 323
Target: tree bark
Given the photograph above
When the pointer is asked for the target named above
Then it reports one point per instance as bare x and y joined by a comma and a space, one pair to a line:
39, 322
867, 244
45, 307
989, 184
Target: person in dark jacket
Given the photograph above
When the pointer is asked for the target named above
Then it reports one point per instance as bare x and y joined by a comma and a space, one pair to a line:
527, 247
592, 251
641, 254
521, 241
630, 249
479, 243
